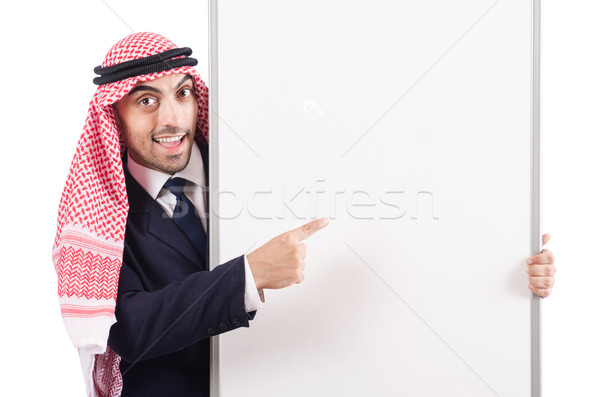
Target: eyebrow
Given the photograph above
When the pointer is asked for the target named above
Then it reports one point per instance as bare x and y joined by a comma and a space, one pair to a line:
143, 88
156, 90
183, 80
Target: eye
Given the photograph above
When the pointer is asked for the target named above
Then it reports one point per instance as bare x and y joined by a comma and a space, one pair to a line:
147, 101
186, 92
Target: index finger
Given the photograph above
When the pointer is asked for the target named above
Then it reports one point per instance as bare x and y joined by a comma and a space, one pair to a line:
545, 258
308, 229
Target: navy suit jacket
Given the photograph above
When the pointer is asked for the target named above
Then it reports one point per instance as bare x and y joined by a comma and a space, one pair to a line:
168, 306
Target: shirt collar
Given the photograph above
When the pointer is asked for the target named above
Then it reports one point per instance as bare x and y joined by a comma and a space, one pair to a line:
152, 180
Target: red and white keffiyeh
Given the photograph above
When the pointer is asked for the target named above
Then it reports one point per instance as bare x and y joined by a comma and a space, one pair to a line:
88, 248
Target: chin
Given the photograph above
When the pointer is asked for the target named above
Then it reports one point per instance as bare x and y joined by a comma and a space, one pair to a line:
173, 166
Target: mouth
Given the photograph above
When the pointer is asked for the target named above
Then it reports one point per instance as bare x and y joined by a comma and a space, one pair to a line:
169, 141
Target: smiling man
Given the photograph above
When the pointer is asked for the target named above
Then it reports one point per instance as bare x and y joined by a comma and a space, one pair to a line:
137, 295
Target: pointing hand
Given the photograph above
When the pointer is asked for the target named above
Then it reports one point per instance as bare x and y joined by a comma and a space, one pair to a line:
280, 262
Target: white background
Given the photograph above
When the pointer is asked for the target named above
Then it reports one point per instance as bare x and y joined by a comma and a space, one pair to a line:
49, 51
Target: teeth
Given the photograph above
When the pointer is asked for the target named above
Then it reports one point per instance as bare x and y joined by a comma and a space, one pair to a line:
164, 140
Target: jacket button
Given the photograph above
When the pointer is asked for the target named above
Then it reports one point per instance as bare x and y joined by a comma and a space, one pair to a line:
211, 331
223, 327
236, 323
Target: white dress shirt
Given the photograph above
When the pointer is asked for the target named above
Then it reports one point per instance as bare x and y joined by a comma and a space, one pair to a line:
152, 181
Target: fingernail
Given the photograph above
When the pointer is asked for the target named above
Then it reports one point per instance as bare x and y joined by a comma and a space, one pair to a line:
529, 261
527, 269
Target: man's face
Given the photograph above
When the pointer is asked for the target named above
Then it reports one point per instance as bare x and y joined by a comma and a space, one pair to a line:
157, 119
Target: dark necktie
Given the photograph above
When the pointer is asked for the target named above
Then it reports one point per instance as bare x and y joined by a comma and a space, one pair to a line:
186, 217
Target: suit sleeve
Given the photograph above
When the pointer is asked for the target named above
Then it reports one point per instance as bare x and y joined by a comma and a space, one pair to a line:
154, 323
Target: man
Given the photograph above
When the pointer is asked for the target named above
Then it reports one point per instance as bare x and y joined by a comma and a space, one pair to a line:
128, 231
148, 122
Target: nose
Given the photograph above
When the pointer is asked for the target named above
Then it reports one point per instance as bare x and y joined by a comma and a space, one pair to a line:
170, 114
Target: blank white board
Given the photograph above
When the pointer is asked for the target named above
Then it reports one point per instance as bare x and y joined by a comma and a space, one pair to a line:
413, 127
